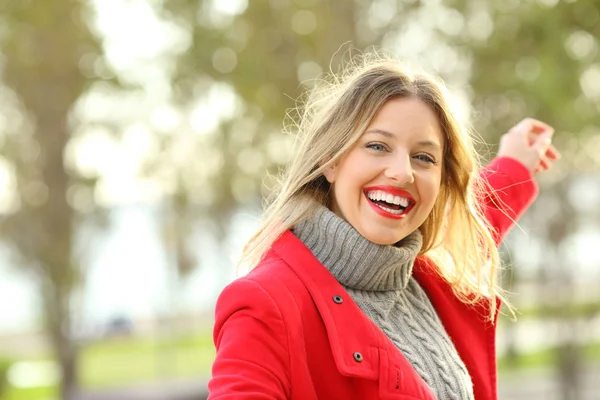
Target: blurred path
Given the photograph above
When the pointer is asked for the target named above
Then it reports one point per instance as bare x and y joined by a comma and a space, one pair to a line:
175, 390
544, 385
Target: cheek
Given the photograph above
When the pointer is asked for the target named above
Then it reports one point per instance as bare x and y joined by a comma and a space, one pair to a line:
436, 188
429, 192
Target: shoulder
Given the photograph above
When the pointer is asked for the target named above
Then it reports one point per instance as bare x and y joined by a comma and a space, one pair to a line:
273, 275
284, 268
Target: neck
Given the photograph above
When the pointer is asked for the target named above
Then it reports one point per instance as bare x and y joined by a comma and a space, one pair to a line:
356, 262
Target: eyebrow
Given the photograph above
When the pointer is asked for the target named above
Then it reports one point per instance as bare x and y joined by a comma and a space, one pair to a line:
424, 143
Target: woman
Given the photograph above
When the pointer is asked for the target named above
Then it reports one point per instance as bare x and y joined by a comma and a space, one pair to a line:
376, 263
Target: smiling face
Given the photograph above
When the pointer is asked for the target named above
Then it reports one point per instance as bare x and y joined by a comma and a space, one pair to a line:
385, 186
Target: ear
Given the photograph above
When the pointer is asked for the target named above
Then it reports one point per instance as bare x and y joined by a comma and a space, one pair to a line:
329, 173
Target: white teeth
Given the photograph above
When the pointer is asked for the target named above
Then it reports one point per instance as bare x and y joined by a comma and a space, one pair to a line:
395, 212
380, 195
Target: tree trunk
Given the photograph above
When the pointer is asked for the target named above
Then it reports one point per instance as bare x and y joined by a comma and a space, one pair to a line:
43, 48
58, 318
569, 360
67, 355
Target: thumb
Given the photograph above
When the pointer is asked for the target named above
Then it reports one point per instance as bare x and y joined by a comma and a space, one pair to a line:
542, 142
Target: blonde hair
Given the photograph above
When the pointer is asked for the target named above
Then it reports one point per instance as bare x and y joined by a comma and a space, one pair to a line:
335, 115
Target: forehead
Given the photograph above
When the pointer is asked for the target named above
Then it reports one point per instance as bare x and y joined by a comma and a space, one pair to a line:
407, 119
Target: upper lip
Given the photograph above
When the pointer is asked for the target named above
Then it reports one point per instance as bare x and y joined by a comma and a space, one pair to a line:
392, 190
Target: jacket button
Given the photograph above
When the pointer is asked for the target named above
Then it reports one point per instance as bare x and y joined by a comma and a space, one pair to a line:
338, 299
358, 357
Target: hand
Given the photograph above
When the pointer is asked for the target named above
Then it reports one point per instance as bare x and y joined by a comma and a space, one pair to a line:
530, 142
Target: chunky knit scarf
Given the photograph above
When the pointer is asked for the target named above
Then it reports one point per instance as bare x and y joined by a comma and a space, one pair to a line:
379, 280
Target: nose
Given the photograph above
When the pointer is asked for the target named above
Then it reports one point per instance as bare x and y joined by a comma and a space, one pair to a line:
400, 170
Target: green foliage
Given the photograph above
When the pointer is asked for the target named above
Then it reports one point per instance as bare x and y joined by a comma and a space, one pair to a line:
260, 56
541, 61
516, 59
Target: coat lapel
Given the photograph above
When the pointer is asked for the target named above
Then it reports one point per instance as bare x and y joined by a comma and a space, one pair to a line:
473, 335
346, 326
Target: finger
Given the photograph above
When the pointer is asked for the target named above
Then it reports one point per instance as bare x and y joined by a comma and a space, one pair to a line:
543, 167
548, 167
543, 142
545, 164
552, 153
530, 125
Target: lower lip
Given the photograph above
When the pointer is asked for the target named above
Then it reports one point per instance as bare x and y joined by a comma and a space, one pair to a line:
387, 214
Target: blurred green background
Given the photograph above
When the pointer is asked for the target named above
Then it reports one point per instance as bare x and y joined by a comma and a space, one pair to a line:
137, 138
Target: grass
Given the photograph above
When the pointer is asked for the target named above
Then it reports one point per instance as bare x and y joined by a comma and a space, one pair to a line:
130, 360
545, 358
38, 393
574, 310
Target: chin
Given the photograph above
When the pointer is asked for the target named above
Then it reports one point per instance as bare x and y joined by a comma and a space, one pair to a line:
385, 242
384, 239
388, 242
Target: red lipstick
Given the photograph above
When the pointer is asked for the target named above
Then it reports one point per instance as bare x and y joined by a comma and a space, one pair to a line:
395, 192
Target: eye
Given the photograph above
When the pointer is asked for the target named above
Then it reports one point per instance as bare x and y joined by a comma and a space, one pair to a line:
378, 147
426, 158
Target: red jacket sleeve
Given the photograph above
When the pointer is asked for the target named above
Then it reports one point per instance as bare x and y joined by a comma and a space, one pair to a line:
252, 360
511, 189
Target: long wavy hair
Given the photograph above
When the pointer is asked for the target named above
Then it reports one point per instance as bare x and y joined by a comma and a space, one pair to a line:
334, 115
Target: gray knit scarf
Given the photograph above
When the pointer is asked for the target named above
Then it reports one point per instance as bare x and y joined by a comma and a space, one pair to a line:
379, 280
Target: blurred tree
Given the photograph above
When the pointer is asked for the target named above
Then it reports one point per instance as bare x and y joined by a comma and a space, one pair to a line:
534, 58
266, 53
42, 44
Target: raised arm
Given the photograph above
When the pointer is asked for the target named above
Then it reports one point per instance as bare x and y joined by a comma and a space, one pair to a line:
510, 190
509, 182
252, 359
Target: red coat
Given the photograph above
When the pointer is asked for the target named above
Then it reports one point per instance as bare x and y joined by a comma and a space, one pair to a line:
279, 333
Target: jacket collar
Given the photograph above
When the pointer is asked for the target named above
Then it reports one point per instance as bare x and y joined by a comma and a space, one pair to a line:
337, 316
